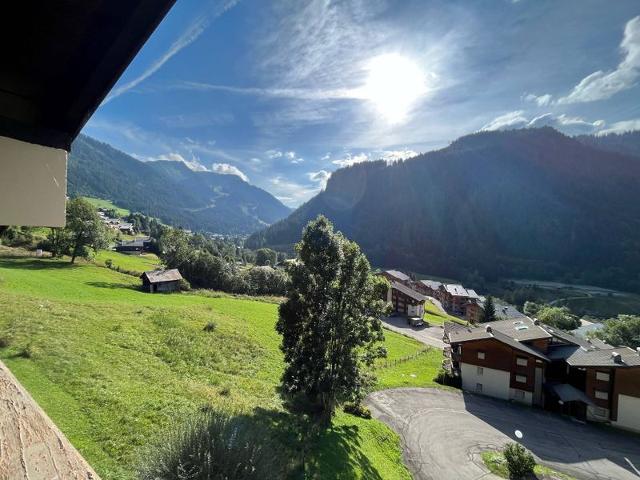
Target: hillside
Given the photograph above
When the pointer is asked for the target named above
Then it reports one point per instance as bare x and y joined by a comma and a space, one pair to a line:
170, 190
116, 368
516, 204
627, 143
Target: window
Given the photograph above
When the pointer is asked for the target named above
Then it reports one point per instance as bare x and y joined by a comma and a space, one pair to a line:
480, 355
518, 394
480, 370
521, 378
479, 387
602, 376
522, 361
602, 395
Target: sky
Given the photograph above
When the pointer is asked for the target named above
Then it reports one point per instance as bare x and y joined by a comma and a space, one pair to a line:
282, 93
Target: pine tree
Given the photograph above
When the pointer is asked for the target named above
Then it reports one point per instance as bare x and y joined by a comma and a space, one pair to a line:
330, 322
489, 311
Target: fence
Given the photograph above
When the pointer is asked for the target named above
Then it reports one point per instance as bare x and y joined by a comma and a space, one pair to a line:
407, 358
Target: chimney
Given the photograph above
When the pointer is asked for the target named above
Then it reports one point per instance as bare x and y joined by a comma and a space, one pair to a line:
616, 357
488, 329
536, 321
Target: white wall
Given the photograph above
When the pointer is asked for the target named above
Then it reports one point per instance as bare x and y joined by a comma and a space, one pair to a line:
628, 413
528, 396
415, 310
33, 184
495, 383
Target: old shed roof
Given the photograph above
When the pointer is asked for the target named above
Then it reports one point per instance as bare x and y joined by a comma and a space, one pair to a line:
159, 276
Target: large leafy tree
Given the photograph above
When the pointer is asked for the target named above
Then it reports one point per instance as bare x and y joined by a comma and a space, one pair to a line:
330, 322
559, 317
621, 331
83, 234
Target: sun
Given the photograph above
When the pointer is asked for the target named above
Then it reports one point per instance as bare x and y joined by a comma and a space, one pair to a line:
394, 85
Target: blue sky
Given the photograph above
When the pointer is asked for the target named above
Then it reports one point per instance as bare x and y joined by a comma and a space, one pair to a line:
283, 93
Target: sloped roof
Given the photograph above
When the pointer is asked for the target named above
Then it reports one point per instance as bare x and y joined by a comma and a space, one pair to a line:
158, 276
456, 289
408, 291
397, 274
431, 284
522, 329
569, 393
603, 358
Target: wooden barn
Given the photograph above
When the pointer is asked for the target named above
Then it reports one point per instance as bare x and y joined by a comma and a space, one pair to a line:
161, 280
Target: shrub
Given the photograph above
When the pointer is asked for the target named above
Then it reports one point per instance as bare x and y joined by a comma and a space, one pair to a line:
216, 446
520, 462
108, 263
209, 327
444, 377
357, 409
26, 352
4, 342
184, 285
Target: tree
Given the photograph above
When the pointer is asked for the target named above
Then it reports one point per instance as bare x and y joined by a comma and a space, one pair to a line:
621, 331
330, 322
489, 311
531, 308
266, 256
558, 317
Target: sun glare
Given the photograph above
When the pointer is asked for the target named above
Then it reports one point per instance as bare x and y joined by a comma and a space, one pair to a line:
394, 85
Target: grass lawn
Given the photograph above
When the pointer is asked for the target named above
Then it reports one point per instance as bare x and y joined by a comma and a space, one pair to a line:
115, 367
435, 316
132, 263
102, 203
497, 464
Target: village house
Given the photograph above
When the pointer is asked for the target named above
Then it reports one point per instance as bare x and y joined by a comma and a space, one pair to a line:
397, 276
406, 301
429, 288
161, 280
138, 245
531, 363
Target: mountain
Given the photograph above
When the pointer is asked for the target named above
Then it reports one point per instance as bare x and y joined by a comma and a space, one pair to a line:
627, 143
171, 191
527, 203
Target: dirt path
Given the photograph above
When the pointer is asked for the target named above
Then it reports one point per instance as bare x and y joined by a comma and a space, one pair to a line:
31, 446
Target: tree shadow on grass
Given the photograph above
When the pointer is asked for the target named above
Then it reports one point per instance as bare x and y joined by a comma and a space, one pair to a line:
27, 263
115, 285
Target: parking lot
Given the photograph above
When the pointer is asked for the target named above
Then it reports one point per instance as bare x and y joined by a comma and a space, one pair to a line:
444, 433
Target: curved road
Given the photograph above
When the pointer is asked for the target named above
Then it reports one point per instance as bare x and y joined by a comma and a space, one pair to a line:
444, 432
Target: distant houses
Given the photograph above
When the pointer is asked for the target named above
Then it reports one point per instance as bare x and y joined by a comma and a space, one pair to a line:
455, 299
406, 301
138, 245
161, 280
116, 223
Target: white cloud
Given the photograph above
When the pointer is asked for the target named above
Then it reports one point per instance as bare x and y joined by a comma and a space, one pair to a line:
290, 155
540, 100
397, 155
602, 85
515, 119
350, 159
321, 177
292, 193
226, 169
621, 127
562, 122
187, 38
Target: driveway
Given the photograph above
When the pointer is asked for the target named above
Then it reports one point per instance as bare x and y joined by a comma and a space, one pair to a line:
431, 336
444, 433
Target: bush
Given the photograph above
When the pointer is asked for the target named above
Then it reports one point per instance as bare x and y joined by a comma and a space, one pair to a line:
444, 377
357, 409
209, 327
108, 263
4, 342
520, 462
185, 286
26, 352
216, 446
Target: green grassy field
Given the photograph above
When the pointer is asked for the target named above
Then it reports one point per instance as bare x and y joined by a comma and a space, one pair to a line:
115, 367
132, 263
434, 316
102, 203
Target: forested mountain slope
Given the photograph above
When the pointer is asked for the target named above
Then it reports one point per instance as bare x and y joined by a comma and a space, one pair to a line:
520, 203
170, 190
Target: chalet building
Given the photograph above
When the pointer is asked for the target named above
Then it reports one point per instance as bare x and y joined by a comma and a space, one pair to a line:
396, 276
429, 288
531, 363
161, 280
406, 301
138, 245
473, 311
455, 298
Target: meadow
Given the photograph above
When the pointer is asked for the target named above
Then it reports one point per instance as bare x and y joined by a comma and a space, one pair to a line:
116, 368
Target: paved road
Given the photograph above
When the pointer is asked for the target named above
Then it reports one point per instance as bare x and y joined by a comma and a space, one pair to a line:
444, 433
431, 336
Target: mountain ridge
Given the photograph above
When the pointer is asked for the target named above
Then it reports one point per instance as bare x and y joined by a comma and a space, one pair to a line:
171, 191
530, 202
